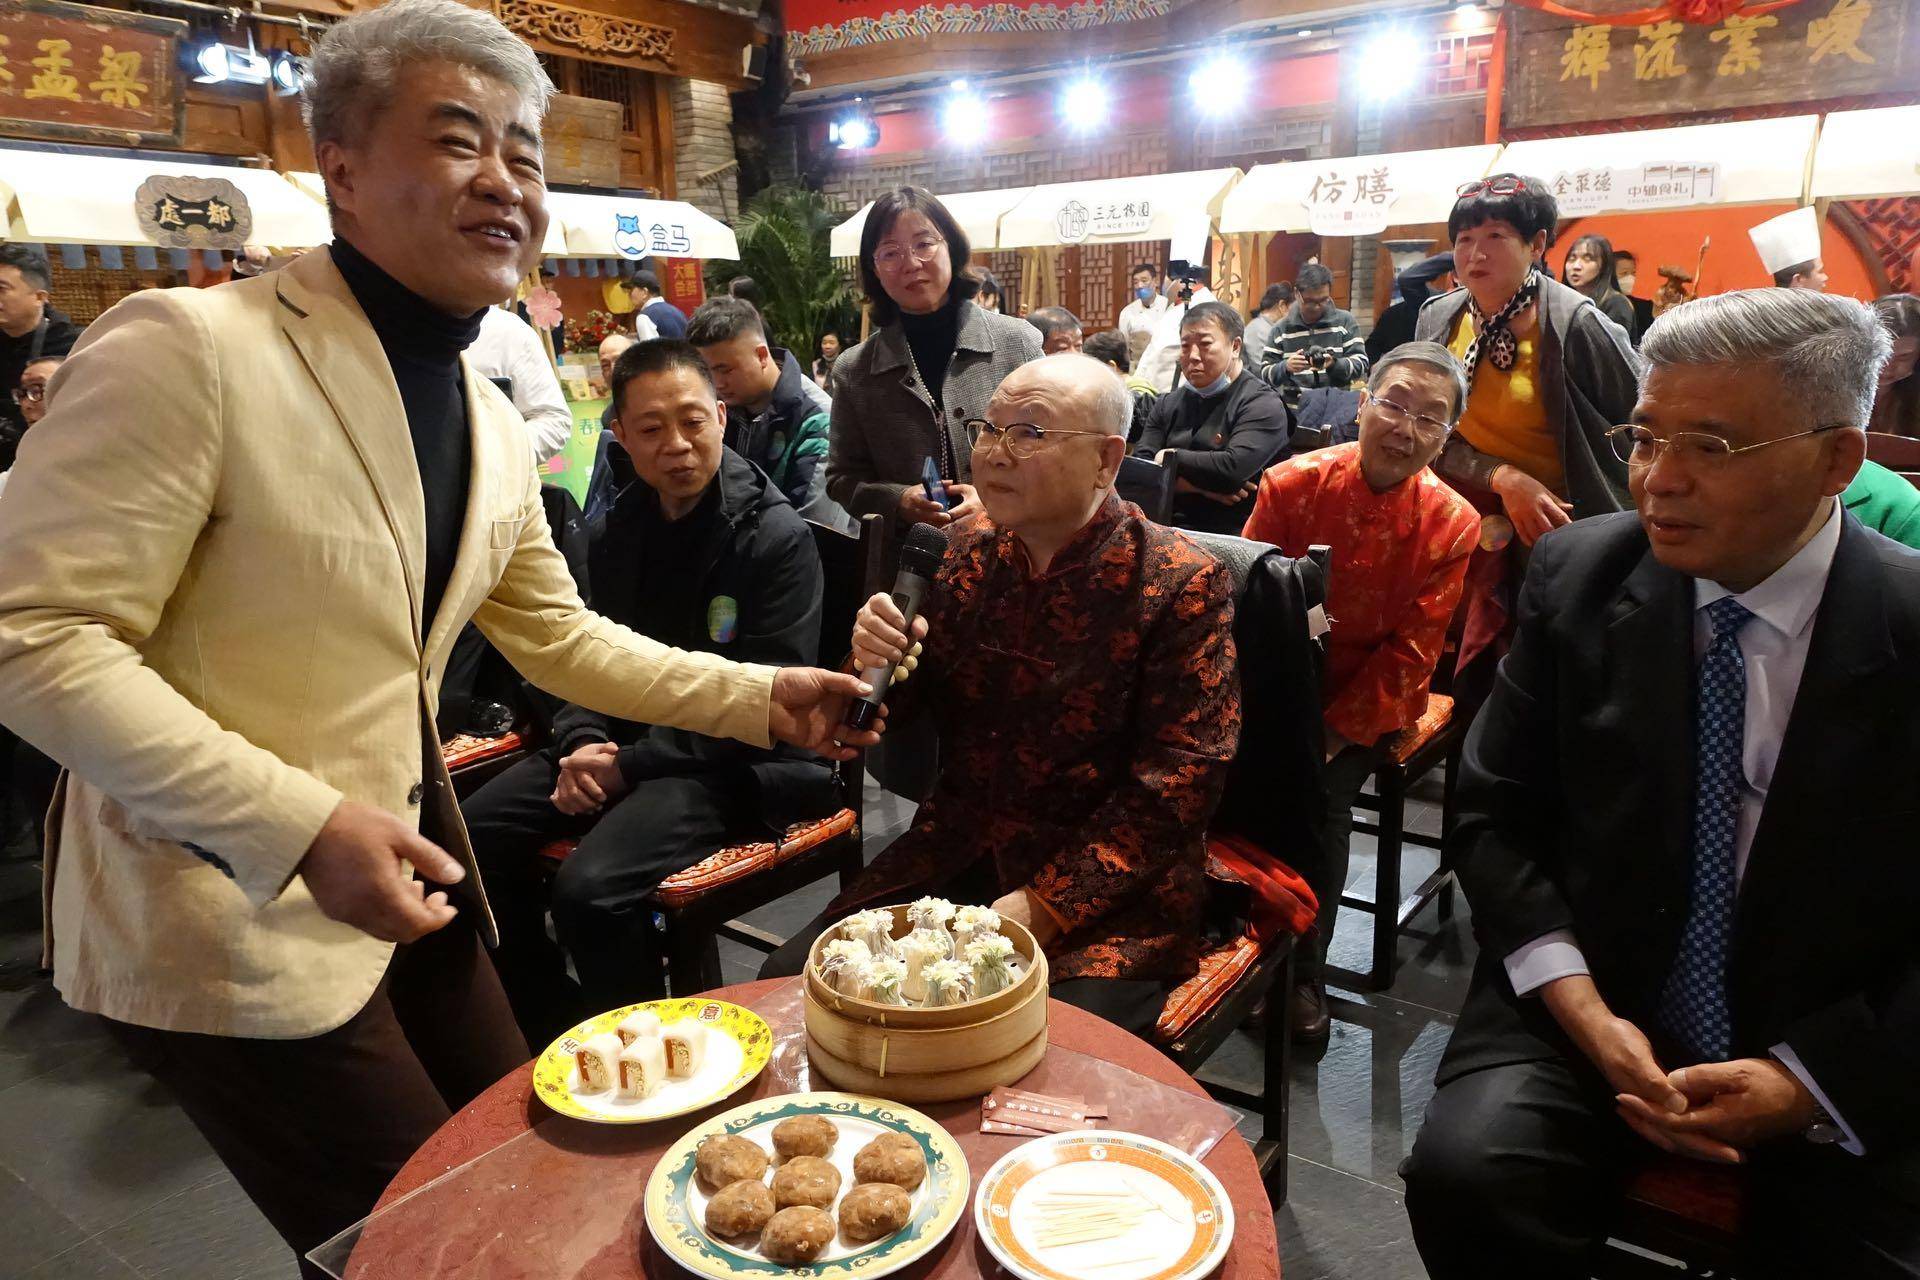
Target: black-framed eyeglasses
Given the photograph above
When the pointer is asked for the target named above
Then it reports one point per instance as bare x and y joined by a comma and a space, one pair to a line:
1639, 447
1423, 424
1022, 439
21, 395
922, 250
1501, 184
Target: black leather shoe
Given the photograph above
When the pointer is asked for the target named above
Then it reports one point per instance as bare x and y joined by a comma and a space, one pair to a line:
1308, 1020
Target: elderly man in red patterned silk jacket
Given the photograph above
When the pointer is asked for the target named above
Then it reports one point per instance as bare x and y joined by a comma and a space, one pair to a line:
1400, 540
1079, 662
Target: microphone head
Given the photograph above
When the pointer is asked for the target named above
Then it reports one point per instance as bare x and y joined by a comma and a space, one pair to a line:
923, 550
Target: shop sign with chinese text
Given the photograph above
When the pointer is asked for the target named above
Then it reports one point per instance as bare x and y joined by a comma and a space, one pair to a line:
178, 212
1350, 199
637, 238
1079, 221
1562, 70
94, 75
1666, 185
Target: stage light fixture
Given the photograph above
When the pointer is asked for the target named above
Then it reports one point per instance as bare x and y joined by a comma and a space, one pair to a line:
853, 133
1393, 58
284, 69
1220, 85
1084, 104
210, 64
964, 119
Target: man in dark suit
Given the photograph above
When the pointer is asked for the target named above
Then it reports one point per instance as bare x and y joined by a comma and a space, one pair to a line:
1685, 827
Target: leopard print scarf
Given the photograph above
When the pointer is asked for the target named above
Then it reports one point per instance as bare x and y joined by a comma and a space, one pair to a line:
1493, 338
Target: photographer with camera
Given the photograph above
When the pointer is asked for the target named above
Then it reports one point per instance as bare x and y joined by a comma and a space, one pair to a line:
1316, 344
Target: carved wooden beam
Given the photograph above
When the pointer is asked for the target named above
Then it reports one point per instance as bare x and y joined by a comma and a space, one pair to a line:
599, 36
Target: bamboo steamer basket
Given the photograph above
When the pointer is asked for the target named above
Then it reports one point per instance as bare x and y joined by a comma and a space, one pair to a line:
928, 1055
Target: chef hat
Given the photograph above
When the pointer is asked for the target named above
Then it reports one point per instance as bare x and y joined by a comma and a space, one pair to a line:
1788, 240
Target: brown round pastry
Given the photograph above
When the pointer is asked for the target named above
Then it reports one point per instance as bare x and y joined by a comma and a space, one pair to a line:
806, 1180
804, 1136
873, 1210
799, 1234
722, 1161
891, 1157
740, 1209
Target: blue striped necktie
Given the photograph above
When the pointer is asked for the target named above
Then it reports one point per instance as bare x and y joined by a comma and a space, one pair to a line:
1694, 1005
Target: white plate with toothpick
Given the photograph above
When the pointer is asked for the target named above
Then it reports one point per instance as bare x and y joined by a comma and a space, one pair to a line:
1093, 1204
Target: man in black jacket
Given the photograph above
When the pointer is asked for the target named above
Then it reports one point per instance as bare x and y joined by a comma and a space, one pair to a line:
1685, 824
1219, 429
777, 418
30, 330
700, 551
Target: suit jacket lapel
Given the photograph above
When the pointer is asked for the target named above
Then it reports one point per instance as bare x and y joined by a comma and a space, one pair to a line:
1829, 732
476, 530
1649, 659
331, 333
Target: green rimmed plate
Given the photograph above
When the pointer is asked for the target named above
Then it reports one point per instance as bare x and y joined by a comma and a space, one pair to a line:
739, 1046
676, 1204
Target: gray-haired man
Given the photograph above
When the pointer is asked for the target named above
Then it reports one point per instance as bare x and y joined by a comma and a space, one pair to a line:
238, 552
1684, 822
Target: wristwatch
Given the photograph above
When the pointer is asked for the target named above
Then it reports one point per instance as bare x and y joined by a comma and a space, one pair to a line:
1823, 1131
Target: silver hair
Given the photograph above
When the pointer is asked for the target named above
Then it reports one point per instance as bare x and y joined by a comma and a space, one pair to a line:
356, 66
1827, 350
1112, 403
1430, 355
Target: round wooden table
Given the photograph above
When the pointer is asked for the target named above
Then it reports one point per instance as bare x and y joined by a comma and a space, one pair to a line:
508, 1109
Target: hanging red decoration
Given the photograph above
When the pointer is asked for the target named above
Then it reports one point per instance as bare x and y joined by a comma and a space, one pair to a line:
1698, 13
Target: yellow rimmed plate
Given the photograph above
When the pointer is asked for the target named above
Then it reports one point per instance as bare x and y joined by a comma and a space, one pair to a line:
676, 1204
739, 1046
1166, 1216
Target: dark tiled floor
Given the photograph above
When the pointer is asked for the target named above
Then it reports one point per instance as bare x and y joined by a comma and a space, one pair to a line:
102, 1178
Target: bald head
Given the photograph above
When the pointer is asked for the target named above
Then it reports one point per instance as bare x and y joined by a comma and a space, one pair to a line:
1073, 386
610, 348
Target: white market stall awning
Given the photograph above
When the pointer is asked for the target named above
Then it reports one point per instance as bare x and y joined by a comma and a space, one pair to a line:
1741, 162
977, 212
1160, 206
1401, 188
1866, 154
58, 198
620, 227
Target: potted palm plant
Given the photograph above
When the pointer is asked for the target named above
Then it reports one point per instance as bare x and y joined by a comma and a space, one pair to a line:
784, 246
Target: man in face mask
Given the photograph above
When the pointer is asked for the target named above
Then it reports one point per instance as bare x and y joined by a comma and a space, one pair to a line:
1144, 305
1219, 428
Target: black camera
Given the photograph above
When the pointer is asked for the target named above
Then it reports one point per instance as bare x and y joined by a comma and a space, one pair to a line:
1188, 274
1320, 357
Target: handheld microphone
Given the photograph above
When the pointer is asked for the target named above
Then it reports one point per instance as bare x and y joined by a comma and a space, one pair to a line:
920, 559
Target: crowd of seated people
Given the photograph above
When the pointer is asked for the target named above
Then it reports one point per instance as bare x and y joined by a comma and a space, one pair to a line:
1697, 608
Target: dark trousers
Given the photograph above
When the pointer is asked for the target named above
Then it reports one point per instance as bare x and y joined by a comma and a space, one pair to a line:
1343, 778
314, 1129
1519, 1171
27, 780
1130, 1003
598, 897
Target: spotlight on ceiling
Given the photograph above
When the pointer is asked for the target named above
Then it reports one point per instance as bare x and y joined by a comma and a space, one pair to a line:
855, 132
964, 118
1084, 104
1220, 85
1395, 57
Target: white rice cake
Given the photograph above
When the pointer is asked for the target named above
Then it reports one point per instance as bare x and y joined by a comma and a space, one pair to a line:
642, 1067
638, 1025
686, 1049
597, 1060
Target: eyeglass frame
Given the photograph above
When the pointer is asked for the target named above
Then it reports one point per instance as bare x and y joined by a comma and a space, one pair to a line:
1417, 418
937, 243
977, 427
36, 394
1665, 443
1504, 184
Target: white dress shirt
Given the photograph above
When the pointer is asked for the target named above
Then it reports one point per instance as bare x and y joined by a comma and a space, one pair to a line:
1774, 647
1136, 325
1161, 359
509, 348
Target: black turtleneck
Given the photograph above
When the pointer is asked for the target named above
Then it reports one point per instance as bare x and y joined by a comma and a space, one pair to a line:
931, 338
423, 346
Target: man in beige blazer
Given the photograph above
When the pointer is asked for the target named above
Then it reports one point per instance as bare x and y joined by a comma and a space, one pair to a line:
217, 611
